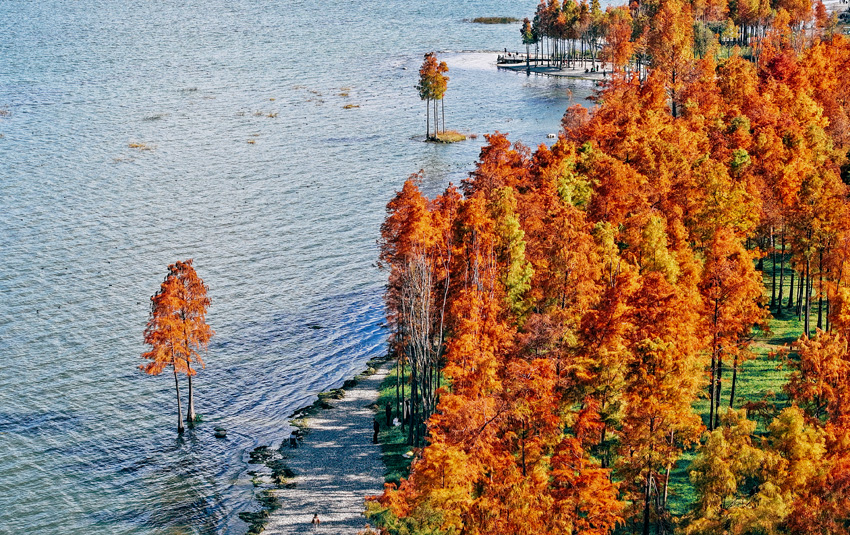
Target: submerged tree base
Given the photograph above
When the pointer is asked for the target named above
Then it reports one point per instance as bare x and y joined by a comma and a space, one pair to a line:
494, 20
449, 136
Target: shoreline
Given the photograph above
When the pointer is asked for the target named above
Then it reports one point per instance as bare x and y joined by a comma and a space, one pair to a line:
333, 467
575, 73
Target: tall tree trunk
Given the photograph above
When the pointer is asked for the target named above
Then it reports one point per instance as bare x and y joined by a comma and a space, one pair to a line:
772, 270
646, 498
734, 381
179, 408
403, 407
661, 506
820, 289
190, 412
397, 381
781, 275
411, 427
712, 382
428, 119
802, 284
714, 356
429, 390
807, 313
415, 411
827, 315
791, 292
717, 391
436, 117
436, 122
527, 61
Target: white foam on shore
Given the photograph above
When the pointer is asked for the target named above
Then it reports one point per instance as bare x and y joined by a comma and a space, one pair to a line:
470, 61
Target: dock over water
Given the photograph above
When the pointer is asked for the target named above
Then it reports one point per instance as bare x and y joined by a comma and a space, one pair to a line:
541, 65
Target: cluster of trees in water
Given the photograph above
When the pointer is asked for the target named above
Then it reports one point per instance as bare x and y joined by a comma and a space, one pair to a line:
565, 308
638, 37
432, 86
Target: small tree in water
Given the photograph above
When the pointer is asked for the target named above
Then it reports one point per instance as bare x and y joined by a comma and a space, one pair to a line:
432, 87
177, 329
529, 37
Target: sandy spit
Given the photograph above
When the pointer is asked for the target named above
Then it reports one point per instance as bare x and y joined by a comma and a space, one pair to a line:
336, 467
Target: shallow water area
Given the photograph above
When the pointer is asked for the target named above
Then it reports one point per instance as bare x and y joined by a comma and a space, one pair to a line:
264, 141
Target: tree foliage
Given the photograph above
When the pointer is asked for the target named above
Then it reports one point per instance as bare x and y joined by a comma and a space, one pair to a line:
566, 307
177, 330
432, 86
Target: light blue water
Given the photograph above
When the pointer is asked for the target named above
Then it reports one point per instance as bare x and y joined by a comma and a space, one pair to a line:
283, 230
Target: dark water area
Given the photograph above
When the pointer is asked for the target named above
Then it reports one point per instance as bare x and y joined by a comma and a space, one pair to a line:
246, 160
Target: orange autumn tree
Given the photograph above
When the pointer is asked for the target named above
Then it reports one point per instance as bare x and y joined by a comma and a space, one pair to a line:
177, 330
416, 248
193, 311
819, 383
618, 48
661, 381
731, 290
432, 87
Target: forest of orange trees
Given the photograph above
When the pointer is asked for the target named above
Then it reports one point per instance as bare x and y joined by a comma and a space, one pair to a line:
576, 318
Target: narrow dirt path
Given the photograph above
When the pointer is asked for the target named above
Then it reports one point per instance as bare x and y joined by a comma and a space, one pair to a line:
336, 467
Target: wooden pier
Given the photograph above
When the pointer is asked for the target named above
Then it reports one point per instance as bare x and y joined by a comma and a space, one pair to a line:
549, 66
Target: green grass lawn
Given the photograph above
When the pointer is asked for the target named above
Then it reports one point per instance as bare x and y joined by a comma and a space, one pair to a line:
759, 379
392, 439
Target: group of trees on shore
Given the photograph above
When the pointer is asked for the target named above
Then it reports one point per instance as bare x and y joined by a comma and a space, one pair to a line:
579, 299
571, 31
637, 37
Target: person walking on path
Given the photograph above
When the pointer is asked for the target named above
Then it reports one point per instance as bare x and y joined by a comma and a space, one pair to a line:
389, 412
376, 427
315, 522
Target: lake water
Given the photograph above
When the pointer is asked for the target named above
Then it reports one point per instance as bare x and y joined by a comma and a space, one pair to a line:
257, 171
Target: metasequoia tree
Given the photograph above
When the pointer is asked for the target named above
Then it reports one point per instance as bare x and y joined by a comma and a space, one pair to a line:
416, 247
746, 485
670, 45
731, 290
661, 380
177, 330
194, 303
432, 88
618, 48
529, 37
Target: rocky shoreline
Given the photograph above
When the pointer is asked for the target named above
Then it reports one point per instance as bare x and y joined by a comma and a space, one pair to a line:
326, 467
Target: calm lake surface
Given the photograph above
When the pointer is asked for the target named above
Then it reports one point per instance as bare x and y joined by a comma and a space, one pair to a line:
257, 171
